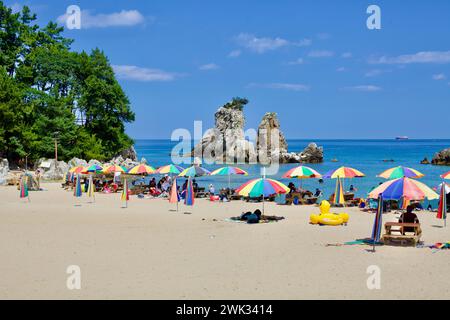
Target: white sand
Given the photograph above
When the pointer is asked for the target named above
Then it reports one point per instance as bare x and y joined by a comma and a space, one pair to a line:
148, 251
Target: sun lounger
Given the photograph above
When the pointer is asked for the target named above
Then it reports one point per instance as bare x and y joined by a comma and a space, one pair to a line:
396, 234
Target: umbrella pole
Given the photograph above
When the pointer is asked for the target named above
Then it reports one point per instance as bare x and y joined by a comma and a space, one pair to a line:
229, 184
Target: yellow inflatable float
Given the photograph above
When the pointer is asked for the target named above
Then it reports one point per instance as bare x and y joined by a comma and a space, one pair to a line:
327, 218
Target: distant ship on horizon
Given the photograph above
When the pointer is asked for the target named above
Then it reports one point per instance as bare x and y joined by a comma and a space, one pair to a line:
402, 138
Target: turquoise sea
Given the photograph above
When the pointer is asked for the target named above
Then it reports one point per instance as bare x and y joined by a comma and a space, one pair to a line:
364, 155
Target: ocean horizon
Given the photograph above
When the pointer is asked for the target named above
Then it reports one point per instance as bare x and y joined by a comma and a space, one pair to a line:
371, 156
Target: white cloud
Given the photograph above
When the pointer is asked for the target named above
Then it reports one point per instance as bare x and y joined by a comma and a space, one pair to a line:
284, 86
296, 62
234, 54
261, 45
341, 69
320, 54
363, 88
419, 57
439, 76
347, 55
16, 7
143, 74
124, 18
209, 66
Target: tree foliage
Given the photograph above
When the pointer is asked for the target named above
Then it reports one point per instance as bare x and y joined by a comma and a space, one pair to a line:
48, 91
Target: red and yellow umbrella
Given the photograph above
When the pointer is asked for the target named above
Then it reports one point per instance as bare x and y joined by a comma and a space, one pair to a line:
114, 169
78, 169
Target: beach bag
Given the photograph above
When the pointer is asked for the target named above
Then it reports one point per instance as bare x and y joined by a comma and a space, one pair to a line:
252, 218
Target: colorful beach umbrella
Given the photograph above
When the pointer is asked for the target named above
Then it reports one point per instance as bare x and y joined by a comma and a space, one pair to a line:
262, 187
401, 172
125, 197
23, 188
339, 193
446, 175
229, 171
95, 168
344, 172
189, 197
170, 169
91, 188
442, 209
194, 171
78, 169
377, 224
406, 188
77, 192
114, 169
142, 169
302, 172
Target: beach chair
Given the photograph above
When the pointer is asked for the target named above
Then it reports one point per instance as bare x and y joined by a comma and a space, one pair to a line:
395, 234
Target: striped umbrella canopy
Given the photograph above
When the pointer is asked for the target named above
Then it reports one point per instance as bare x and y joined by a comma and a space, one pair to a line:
302, 172
77, 192
95, 168
170, 169
262, 187
189, 197
142, 169
344, 172
23, 188
125, 196
339, 193
401, 172
226, 171
405, 188
78, 169
194, 171
114, 169
445, 185
446, 175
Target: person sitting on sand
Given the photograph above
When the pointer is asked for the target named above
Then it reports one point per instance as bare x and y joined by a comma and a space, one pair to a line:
212, 191
195, 185
408, 217
223, 195
318, 193
152, 183
352, 189
292, 187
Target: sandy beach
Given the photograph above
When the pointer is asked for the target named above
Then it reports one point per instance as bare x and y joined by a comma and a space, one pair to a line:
150, 251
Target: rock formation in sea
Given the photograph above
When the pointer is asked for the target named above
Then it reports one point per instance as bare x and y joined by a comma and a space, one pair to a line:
267, 152
442, 158
425, 161
226, 141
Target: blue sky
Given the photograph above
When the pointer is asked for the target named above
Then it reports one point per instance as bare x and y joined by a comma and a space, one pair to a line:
315, 63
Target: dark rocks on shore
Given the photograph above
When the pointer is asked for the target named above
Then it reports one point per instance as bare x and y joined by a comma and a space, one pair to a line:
425, 161
442, 158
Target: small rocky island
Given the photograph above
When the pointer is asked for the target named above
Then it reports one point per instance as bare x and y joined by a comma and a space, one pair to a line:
442, 158
227, 141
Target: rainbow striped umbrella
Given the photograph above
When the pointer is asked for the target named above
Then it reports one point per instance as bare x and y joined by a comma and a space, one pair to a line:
302, 172
194, 171
114, 168
442, 209
142, 169
170, 169
406, 188
95, 168
344, 172
446, 175
262, 187
228, 171
401, 172
78, 169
